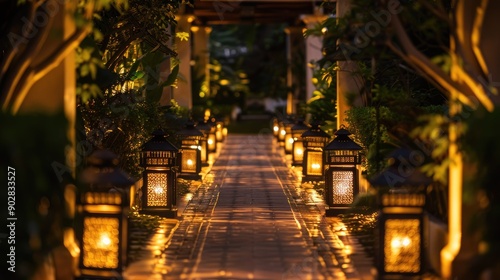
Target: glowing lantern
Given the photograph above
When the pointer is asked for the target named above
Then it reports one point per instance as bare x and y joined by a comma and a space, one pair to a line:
342, 156
205, 129
212, 139
276, 127
314, 140
288, 141
159, 159
401, 241
103, 208
298, 145
190, 152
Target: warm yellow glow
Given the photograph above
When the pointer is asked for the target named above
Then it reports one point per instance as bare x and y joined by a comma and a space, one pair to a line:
189, 162
156, 189
194, 28
100, 242
290, 140
402, 246
343, 187
299, 151
210, 141
283, 132
398, 243
224, 82
104, 241
451, 250
315, 166
276, 128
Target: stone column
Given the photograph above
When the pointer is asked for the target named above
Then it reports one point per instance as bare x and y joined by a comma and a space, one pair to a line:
294, 80
348, 83
182, 94
201, 56
313, 45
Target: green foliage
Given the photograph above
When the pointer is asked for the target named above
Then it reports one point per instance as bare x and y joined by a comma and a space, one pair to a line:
482, 151
322, 104
32, 146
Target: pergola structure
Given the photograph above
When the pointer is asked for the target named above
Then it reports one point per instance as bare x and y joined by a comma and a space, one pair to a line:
297, 14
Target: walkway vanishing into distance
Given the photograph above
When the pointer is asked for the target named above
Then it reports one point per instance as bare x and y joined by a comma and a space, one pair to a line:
251, 220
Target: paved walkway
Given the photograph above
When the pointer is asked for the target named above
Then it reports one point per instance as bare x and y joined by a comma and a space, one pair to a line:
251, 220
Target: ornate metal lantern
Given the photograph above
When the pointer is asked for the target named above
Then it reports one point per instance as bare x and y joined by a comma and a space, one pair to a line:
342, 157
298, 145
276, 127
219, 132
103, 208
205, 129
288, 135
212, 139
282, 131
314, 140
190, 152
159, 190
400, 226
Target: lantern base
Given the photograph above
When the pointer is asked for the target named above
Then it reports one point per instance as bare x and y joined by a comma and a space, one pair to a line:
312, 178
165, 213
93, 274
335, 211
189, 176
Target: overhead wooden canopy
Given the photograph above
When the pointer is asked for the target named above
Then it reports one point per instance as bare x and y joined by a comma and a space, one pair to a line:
210, 12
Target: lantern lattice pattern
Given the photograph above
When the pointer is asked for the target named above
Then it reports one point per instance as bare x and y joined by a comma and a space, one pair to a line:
100, 242
157, 189
315, 163
188, 161
343, 193
402, 245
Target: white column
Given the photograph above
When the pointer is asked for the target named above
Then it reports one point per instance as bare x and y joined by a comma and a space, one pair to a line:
314, 45
294, 44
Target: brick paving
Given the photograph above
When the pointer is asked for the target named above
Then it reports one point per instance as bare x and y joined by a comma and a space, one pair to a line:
250, 219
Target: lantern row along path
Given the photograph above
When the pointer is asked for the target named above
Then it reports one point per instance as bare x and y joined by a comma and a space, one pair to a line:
250, 219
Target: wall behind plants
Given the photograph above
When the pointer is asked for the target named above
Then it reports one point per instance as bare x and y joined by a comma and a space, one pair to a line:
32, 148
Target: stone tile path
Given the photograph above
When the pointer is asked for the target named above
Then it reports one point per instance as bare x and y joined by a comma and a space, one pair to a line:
251, 220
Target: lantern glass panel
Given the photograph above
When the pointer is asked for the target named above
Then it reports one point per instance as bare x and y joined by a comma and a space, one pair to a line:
314, 163
298, 150
100, 242
188, 161
402, 245
211, 142
343, 187
157, 189
288, 142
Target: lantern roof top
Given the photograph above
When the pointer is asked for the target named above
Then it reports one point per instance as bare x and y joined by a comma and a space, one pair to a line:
203, 126
342, 141
103, 170
315, 131
401, 171
190, 131
300, 125
159, 142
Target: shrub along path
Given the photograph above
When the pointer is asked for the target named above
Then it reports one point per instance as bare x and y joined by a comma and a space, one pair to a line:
249, 219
